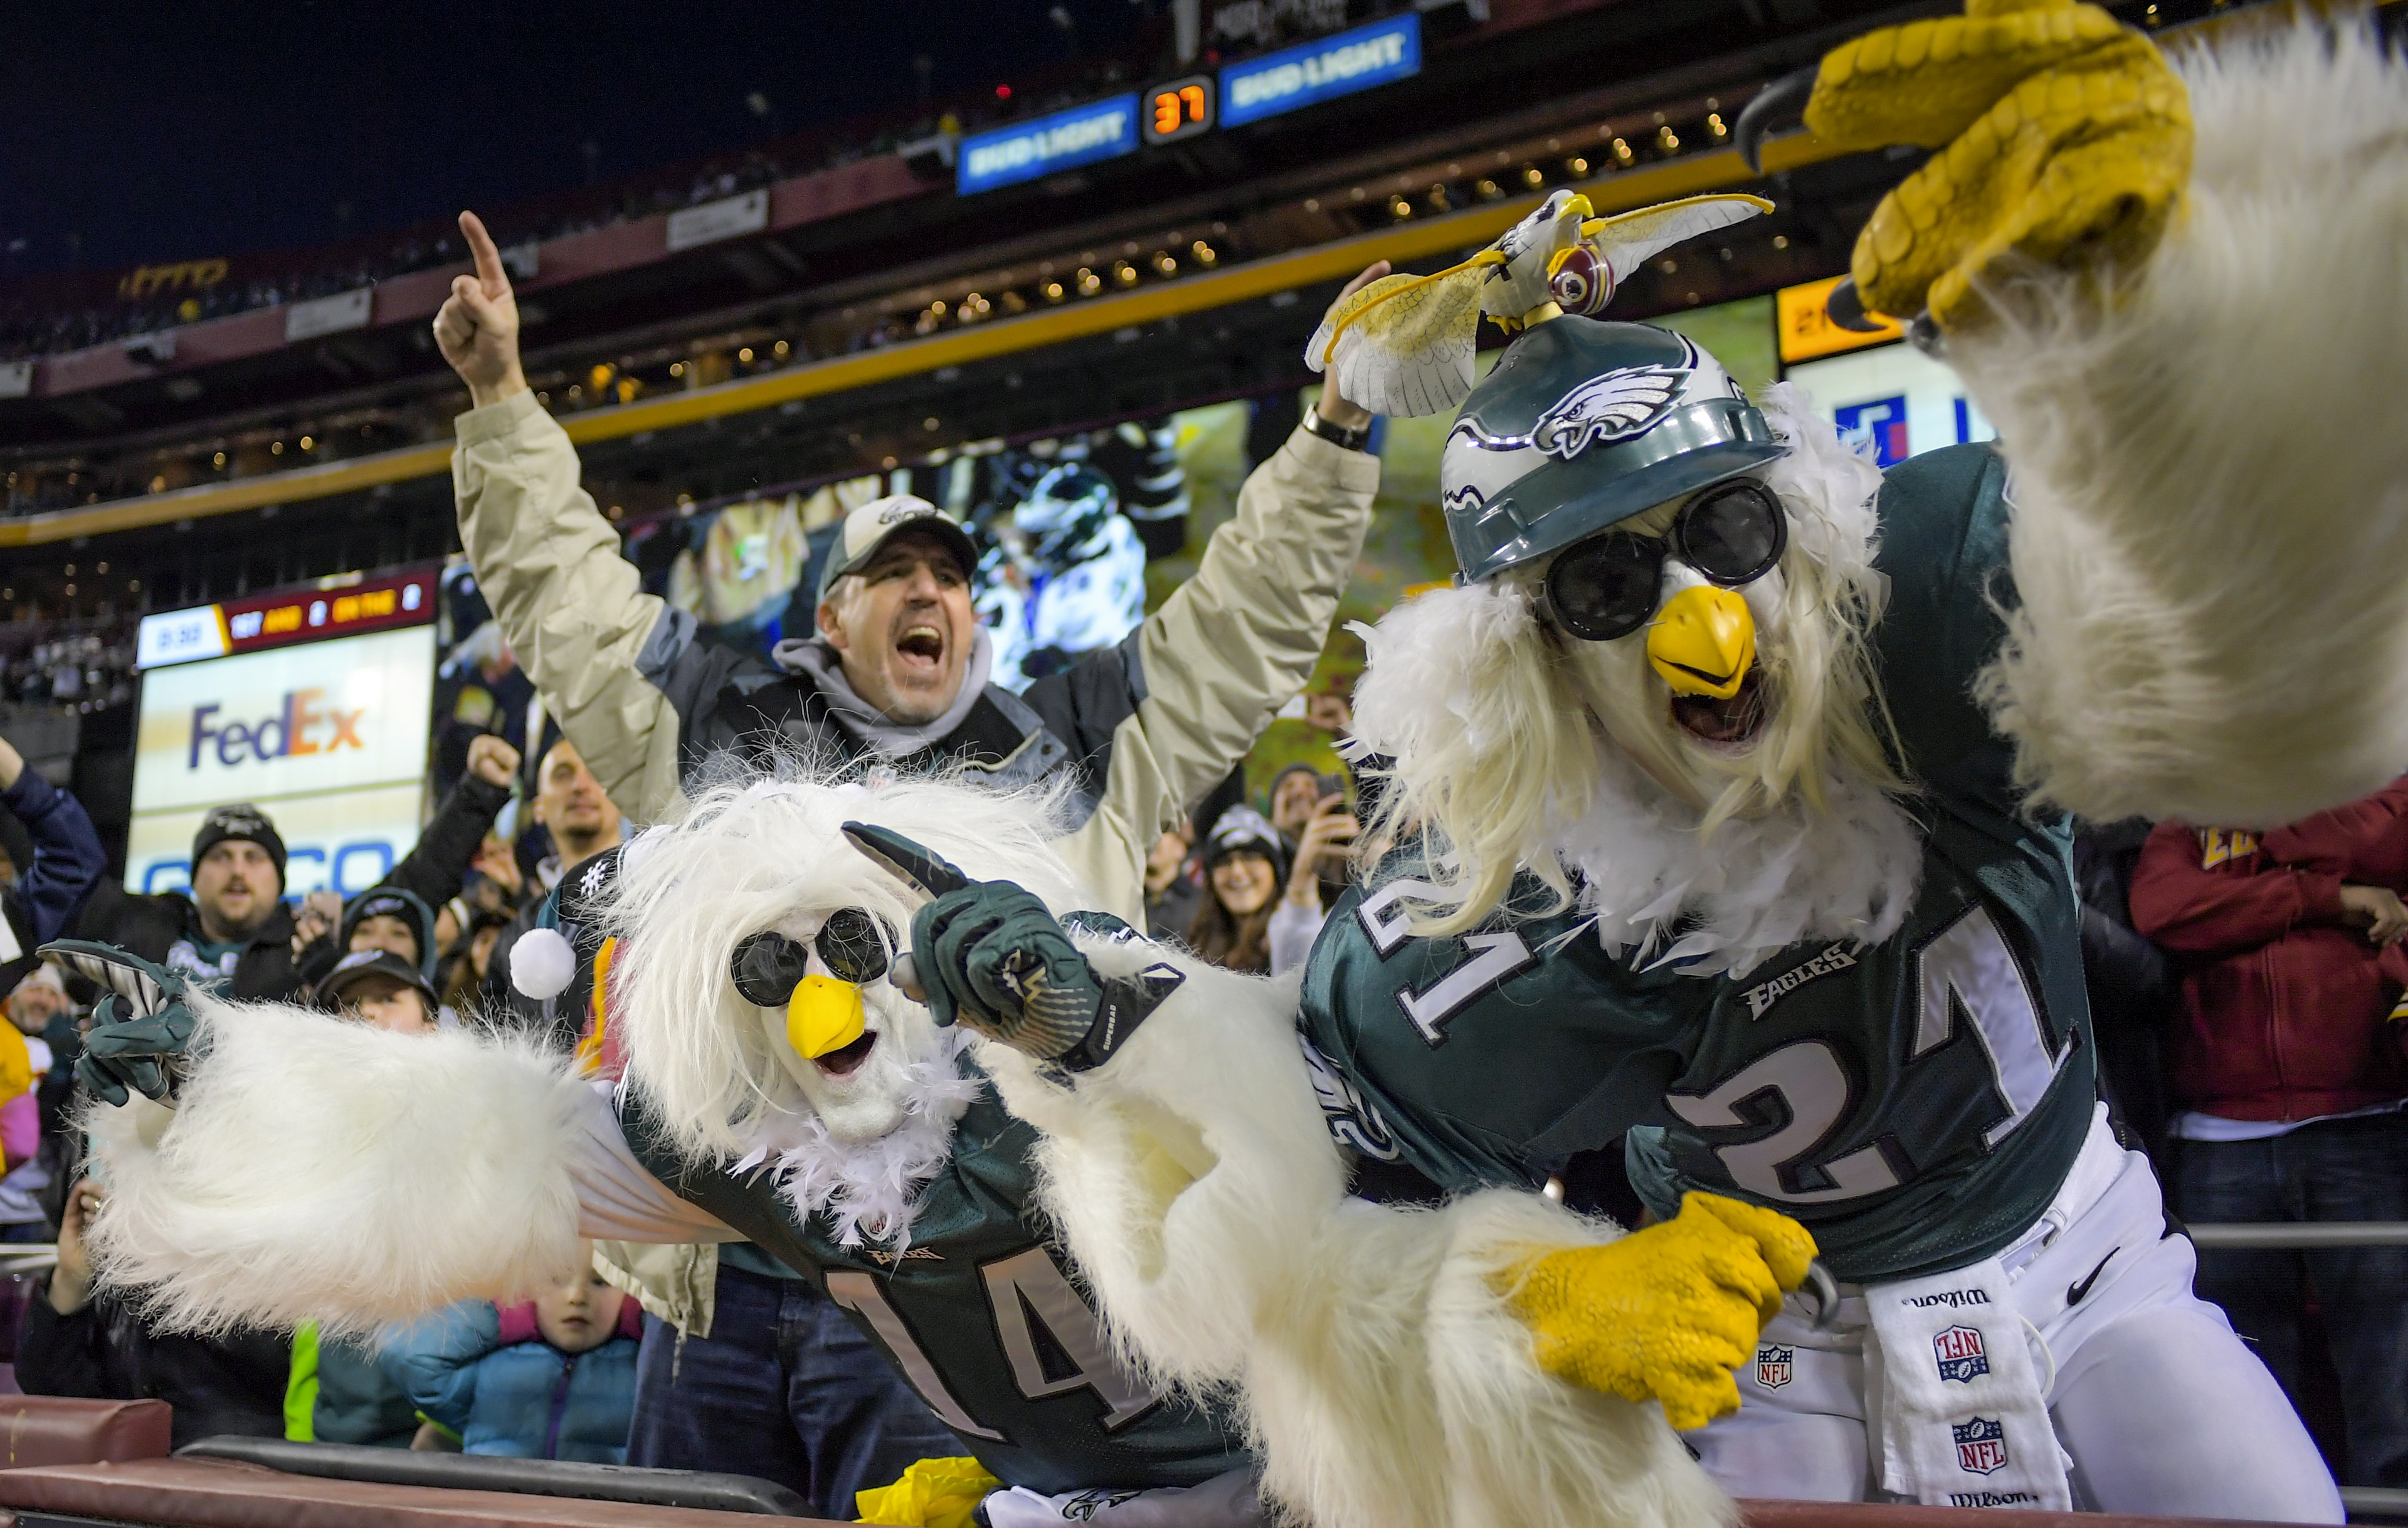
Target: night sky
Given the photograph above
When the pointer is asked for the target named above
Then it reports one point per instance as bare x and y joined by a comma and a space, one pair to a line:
162, 131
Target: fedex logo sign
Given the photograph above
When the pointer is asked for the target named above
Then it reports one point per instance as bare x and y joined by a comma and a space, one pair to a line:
303, 726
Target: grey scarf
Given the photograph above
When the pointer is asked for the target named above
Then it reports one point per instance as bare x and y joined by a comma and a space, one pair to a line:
813, 655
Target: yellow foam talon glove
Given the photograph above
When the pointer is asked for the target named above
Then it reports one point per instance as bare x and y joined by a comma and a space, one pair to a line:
1666, 1313
931, 1494
2062, 137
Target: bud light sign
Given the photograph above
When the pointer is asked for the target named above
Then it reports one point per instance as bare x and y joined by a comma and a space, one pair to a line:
1318, 71
1082, 135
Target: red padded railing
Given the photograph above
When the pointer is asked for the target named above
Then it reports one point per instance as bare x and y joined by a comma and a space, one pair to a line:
222, 1493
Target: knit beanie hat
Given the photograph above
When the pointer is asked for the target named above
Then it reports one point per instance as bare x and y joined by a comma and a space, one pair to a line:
242, 820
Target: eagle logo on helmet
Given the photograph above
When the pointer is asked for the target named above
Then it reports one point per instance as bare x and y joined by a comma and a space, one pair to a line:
1614, 406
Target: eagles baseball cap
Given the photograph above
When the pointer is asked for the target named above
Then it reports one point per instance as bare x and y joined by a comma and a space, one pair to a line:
361, 964
867, 528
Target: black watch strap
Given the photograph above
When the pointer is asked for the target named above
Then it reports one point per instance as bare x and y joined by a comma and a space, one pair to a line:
1338, 435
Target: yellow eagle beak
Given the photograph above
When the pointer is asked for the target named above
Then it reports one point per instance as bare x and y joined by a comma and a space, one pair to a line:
823, 1015
1703, 642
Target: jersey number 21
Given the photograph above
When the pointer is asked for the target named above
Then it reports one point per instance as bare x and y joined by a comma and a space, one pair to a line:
1968, 968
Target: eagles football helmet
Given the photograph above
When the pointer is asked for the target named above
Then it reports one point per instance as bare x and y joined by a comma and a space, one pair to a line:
1584, 423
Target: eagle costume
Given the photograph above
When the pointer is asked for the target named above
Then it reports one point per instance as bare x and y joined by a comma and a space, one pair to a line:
1762, 841
1731, 783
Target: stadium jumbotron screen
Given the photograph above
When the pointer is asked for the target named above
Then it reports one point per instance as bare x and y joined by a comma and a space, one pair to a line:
327, 735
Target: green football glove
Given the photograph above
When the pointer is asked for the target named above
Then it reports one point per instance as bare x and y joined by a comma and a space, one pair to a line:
141, 1027
989, 956
992, 958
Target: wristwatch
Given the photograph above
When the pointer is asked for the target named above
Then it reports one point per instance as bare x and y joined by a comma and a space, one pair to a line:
1338, 435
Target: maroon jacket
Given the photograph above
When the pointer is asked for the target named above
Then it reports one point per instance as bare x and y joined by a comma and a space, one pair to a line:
2285, 1008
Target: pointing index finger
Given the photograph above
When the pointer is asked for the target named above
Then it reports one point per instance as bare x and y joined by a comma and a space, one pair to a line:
930, 874
490, 274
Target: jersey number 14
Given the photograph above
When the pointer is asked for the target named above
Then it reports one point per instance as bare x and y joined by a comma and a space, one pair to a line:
1023, 1287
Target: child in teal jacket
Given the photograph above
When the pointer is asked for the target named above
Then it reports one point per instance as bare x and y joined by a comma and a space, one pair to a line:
552, 1379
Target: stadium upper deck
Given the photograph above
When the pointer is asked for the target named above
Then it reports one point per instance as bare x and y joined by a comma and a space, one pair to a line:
849, 317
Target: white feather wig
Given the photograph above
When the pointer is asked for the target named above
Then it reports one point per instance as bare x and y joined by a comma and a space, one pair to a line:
769, 854
1524, 751
2209, 477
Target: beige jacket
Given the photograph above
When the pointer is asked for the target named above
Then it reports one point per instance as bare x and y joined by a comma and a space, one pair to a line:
1230, 646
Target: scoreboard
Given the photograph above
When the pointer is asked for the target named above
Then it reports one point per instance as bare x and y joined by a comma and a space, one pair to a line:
1178, 108
1361, 59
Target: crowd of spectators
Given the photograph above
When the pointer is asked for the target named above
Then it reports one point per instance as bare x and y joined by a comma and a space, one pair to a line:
414, 954
2259, 973
76, 672
2246, 988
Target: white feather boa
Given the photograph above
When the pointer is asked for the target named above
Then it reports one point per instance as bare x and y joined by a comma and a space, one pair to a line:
870, 1189
2210, 479
1754, 887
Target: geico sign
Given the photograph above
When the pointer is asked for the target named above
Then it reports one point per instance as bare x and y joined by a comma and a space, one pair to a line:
301, 728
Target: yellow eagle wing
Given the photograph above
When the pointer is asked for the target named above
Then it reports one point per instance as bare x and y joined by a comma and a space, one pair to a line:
1402, 346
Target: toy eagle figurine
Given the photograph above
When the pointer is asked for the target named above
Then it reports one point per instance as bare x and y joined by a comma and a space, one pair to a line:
1403, 345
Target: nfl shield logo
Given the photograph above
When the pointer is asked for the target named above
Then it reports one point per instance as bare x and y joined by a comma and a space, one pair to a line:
1772, 1366
1981, 1445
1960, 1354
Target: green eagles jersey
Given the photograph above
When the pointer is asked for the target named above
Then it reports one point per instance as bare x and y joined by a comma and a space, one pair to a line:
1915, 1104
979, 1313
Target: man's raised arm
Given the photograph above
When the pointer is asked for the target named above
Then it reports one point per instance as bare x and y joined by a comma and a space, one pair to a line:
549, 563
1238, 640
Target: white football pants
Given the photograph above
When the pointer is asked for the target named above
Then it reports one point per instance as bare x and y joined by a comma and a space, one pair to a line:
2162, 1409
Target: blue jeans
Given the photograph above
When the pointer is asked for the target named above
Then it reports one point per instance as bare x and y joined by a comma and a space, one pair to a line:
785, 1388
2340, 1170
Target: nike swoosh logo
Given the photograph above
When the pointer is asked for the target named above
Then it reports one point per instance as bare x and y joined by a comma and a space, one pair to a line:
2073, 1292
